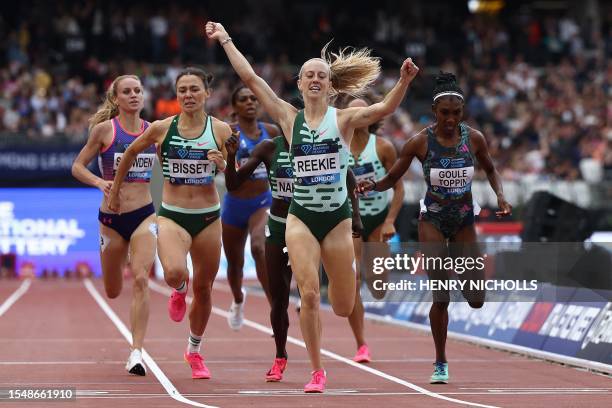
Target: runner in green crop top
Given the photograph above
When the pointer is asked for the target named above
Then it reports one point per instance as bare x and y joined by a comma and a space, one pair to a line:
274, 155
371, 158
319, 137
191, 150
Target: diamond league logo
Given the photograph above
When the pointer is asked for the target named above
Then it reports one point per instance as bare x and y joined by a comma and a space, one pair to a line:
306, 149
289, 172
182, 153
445, 162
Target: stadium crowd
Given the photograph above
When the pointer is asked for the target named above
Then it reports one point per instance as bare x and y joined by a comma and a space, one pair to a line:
538, 86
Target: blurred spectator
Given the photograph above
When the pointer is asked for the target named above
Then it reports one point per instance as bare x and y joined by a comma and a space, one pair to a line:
537, 82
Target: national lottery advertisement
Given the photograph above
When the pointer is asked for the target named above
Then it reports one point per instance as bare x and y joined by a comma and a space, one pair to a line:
52, 230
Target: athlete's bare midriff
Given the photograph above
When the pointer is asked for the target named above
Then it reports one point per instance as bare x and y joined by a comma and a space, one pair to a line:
193, 197
132, 195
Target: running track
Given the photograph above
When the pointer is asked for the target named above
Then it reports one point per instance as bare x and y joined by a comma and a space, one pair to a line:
55, 333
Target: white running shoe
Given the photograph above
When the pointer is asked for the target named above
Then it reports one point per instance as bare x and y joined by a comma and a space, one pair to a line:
134, 364
236, 313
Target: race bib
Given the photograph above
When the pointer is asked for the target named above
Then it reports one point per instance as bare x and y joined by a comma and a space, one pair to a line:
452, 181
141, 168
260, 171
317, 163
191, 171
364, 172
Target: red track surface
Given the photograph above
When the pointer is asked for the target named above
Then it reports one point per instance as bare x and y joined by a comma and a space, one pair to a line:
56, 335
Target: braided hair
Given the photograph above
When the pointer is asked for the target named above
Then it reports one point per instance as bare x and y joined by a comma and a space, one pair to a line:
446, 85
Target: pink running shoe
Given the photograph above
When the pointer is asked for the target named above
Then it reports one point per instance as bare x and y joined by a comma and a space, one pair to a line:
177, 305
317, 383
363, 355
196, 362
276, 372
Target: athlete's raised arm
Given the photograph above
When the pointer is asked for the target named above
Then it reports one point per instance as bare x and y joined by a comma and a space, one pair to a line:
280, 111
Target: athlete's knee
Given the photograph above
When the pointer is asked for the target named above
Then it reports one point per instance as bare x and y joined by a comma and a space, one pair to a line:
141, 282
476, 304
279, 306
235, 266
343, 308
310, 299
258, 250
202, 290
175, 276
113, 291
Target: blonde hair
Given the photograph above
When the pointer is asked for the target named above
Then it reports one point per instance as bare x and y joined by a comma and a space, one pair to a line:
109, 108
351, 70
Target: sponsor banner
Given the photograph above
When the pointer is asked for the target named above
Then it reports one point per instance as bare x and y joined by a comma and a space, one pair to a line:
51, 228
30, 163
596, 344
569, 327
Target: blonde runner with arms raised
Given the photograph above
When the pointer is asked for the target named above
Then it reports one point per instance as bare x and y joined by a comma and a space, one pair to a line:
319, 221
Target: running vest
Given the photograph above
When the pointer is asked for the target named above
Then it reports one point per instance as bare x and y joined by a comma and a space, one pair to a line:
449, 171
281, 171
184, 161
109, 159
245, 148
369, 167
320, 162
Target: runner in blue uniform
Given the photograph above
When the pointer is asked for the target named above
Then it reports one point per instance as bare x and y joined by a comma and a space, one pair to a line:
245, 208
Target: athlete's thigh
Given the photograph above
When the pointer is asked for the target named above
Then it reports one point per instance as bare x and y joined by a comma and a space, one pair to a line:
173, 243
143, 245
206, 253
376, 235
257, 224
304, 252
113, 256
338, 254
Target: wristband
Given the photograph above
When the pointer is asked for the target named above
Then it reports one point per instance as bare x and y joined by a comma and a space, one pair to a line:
228, 39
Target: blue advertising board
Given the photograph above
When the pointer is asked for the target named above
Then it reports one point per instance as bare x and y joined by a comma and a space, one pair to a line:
51, 228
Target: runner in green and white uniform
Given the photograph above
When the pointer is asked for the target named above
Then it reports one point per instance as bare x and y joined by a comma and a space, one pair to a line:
274, 154
190, 149
371, 158
319, 137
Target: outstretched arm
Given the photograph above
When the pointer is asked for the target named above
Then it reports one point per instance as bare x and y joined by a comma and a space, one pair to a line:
279, 110
358, 117
148, 138
481, 152
234, 178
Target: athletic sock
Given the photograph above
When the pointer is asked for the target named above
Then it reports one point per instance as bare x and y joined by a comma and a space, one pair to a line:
182, 288
194, 343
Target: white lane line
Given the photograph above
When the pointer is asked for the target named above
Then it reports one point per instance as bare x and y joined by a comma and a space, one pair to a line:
166, 291
153, 367
21, 290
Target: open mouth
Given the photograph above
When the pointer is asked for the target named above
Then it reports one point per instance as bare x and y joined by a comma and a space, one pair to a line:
314, 88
